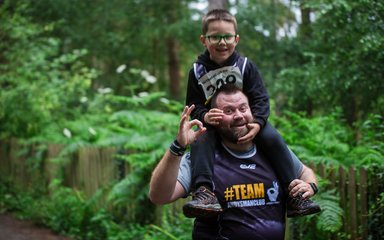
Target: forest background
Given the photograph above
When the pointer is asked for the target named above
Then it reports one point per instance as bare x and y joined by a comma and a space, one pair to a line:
114, 73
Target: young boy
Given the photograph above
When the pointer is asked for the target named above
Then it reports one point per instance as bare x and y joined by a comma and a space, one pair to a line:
218, 65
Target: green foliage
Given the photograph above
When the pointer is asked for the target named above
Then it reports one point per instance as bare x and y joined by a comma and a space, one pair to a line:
330, 219
170, 219
131, 33
327, 140
342, 61
372, 137
68, 212
40, 86
318, 139
327, 223
51, 93
376, 217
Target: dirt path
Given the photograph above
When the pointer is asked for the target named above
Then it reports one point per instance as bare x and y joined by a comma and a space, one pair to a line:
13, 229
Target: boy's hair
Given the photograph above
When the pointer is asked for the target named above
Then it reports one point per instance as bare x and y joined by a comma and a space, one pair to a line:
216, 15
226, 89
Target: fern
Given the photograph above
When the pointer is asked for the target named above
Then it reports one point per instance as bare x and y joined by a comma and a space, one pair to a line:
330, 219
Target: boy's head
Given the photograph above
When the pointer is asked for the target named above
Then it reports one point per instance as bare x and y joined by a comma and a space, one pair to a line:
218, 15
219, 34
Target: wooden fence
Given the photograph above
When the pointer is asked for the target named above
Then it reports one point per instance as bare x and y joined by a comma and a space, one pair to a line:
352, 185
92, 168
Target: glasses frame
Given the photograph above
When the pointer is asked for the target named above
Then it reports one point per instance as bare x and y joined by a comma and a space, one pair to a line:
221, 37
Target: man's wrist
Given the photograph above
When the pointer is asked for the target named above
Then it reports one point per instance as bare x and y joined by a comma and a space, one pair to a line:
176, 148
314, 187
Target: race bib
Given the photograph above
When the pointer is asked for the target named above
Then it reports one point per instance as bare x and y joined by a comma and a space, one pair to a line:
213, 80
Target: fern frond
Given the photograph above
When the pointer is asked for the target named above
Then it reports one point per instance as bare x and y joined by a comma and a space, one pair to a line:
330, 219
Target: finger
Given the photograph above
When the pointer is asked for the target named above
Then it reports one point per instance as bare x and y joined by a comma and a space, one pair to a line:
293, 184
183, 117
214, 123
190, 109
186, 113
295, 191
216, 118
199, 132
245, 138
216, 115
242, 140
306, 194
197, 123
215, 110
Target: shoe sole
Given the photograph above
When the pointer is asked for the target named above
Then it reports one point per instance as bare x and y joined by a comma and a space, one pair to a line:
193, 212
309, 211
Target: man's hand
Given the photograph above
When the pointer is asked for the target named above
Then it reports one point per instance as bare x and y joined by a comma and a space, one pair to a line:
214, 116
254, 129
299, 186
186, 134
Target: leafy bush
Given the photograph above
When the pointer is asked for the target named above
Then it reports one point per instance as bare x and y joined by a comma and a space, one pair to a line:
68, 212
41, 86
328, 140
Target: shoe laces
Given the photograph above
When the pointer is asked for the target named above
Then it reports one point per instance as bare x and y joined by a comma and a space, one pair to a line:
202, 194
299, 201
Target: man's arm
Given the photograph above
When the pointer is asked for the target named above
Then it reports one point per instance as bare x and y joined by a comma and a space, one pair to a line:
302, 185
164, 187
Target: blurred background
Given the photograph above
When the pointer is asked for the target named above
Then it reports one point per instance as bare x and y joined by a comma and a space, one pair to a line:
91, 93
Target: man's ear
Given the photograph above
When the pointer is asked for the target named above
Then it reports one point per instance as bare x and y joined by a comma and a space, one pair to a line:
203, 39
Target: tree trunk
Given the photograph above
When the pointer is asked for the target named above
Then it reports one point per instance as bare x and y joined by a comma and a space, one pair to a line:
217, 4
173, 67
305, 34
305, 27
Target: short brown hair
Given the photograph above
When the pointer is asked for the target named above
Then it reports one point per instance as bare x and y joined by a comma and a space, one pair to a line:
226, 89
218, 14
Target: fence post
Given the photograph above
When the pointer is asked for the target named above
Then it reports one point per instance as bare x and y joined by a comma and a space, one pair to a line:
5, 165
352, 200
363, 203
343, 200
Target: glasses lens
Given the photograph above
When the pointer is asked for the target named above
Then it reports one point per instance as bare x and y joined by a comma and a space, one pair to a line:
229, 39
214, 39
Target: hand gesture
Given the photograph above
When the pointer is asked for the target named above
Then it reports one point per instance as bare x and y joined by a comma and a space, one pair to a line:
214, 116
186, 134
254, 129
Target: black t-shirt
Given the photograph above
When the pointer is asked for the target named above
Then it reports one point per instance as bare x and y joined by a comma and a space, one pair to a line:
248, 191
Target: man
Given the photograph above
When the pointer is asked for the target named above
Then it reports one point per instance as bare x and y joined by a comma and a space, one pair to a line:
244, 181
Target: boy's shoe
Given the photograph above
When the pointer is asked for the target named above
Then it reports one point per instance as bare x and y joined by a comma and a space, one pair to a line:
298, 206
204, 203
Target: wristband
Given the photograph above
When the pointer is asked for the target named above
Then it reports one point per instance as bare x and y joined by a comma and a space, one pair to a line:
314, 187
177, 149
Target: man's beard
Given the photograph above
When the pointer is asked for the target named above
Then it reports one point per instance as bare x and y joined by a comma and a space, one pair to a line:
232, 134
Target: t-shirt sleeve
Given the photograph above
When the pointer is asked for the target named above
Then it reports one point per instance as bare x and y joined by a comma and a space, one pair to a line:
297, 164
185, 174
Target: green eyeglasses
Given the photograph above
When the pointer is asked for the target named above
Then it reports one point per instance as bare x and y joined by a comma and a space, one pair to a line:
215, 39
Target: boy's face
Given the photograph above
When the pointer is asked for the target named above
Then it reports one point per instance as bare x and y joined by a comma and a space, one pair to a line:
221, 51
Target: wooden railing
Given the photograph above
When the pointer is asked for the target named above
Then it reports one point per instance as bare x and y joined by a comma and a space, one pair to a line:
92, 168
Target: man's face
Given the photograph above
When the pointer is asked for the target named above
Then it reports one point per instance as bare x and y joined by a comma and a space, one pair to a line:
237, 114
220, 51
